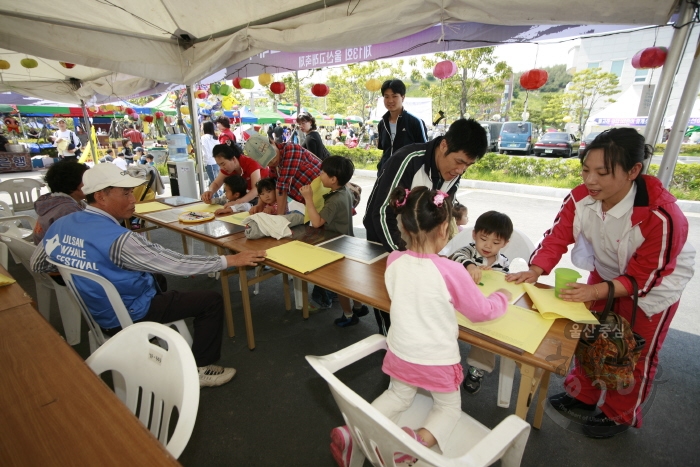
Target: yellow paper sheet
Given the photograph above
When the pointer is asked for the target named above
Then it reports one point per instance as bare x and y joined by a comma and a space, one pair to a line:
551, 307
237, 218
319, 191
301, 256
518, 327
5, 280
203, 207
494, 280
151, 207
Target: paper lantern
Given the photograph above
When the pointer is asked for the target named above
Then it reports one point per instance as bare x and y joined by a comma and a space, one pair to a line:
159, 115
265, 79
277, 87
168, 119
566, 119
129, 111
142, 117
247, 83
201, 94
320, 90
533, 79
214, 88
29, 63
225, 89
236, 83
651, 57
119, 108
4, 65
445, 69
103, 108
373, 84
148, 118
134, 117
185, 110
93, 109
67, 65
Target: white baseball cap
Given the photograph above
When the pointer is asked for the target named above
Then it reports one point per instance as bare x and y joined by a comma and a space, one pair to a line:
105, 175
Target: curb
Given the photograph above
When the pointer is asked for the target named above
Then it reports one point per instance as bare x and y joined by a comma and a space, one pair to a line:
560, 193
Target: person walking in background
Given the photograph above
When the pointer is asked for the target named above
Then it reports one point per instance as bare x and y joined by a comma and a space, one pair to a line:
313, 141
223, 124
398, 127
135, 136
209, 140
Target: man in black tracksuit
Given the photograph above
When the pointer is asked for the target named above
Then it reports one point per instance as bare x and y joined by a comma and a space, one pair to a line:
398, 127
438, 164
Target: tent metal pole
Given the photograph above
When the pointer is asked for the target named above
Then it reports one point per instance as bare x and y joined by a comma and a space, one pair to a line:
680, 122
679, 41
87, 126
297, 92
196, 137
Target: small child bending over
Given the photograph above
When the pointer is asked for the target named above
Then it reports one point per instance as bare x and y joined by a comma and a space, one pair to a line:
459, 212
336, 215
491, 233
423, 317
234, 188
267, 197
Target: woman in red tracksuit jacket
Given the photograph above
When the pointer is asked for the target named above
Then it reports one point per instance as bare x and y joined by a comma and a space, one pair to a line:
621, 222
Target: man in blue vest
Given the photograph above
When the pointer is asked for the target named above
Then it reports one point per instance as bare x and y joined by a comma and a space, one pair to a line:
93, 240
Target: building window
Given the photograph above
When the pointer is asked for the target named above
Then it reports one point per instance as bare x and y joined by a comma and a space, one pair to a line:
616, 67
640, 76
593, 64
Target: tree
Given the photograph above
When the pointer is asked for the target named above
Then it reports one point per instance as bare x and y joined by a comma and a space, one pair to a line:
588, 88
348, 93
474, 89
291, 81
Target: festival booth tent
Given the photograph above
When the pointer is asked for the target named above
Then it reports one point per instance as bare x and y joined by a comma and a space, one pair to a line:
241, 115
622, 112
268, 115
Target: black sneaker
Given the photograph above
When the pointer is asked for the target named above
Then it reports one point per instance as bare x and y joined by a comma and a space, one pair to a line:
344, 321
564, 402
360, 312
472, 380
601, 427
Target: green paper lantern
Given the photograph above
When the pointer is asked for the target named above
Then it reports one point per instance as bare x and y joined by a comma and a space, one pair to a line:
247, 83
29, 63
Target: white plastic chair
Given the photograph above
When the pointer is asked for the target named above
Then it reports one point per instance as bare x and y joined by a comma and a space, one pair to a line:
471, 443
16, 224
519, 246
154, 380
95, 335
68, 308
20, 190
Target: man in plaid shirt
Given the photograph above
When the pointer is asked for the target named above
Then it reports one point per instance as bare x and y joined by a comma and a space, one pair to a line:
293, 165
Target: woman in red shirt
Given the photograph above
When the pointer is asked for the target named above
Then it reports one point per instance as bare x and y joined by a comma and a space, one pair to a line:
223, 124
232, 161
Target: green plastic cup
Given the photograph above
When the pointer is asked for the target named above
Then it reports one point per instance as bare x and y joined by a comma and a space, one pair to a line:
563, 276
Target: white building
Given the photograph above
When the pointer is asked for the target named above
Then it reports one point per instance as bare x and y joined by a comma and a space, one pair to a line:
613, 53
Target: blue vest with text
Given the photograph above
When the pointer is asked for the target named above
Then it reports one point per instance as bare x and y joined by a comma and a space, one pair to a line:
82, 240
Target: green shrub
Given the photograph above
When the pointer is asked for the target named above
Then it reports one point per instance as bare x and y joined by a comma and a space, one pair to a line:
360, 157
686, 149
161, 168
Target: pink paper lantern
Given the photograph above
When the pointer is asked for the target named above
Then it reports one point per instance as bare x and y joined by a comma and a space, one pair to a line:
445, 69
651, 57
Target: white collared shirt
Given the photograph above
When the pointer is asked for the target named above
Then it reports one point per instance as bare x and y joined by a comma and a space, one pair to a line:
607, 231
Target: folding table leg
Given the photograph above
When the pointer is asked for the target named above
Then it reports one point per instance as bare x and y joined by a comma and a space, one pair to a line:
246, 307
298, 298
305, 299
285, 287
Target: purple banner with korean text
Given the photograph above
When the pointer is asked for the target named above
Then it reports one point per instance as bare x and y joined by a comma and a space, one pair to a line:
435, 39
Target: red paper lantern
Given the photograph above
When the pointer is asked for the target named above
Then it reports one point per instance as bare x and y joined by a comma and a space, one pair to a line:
129, 111
159, 115
277, 87
237, 83
148, 118
533, 79
320, 90
445, 69
67, 65
651, 57
200, 94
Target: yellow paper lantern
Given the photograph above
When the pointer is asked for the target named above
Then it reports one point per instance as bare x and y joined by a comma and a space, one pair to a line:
4, 65
265, 79
373, 84
185, 110
566, 119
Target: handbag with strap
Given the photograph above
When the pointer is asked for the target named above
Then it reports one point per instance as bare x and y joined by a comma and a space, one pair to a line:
608, 353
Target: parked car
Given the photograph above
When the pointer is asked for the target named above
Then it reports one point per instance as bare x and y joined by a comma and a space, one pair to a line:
587, 140
515, 136
556, 144
493, 131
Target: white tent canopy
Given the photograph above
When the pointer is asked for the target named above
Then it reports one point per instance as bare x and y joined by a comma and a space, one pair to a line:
181, 42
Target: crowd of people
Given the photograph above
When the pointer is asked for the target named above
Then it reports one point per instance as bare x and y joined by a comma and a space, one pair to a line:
624, 225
